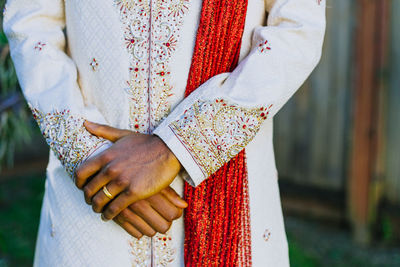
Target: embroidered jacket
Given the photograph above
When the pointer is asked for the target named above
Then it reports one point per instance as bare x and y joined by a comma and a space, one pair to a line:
125, 63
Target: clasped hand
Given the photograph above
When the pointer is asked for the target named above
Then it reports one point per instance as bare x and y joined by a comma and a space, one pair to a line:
137, 171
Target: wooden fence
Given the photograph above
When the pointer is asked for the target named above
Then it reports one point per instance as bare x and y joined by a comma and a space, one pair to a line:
340, 133
312, 130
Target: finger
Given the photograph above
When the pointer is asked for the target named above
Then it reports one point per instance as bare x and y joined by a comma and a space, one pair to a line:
122, 201
151, 216
87, 169
165, 208
95, 185
129, 228
174, 198
107, 132
100, 199
135, 220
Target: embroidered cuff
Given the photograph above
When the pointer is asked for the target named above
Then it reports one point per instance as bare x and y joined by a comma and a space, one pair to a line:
67, 137
210, 133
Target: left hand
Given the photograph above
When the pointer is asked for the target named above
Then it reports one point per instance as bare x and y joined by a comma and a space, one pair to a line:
135, 167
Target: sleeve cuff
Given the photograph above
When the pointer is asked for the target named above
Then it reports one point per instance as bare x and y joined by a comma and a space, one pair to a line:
192, 173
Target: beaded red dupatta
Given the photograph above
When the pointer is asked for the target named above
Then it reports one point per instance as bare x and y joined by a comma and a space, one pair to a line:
217, 220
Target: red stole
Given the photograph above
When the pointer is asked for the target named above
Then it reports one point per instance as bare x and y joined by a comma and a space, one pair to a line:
217, 220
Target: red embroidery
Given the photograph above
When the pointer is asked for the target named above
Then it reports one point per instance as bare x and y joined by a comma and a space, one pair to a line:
264, 47
40, 46
267, 235
94, 64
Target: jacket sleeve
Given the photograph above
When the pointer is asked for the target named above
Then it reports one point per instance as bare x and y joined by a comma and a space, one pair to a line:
223, 115
48, 78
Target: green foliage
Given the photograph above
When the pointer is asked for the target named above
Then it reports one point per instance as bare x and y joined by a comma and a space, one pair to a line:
387, 229
15, 119
20, 202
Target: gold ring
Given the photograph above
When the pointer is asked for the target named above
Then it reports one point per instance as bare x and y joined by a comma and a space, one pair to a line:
107, 193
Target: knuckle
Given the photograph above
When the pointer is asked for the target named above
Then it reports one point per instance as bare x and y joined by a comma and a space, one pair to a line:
124, 215
131, 191
165, 227
120, 220
150, 233
111, 170
96, 204
107, 156
178, 214
112, 209
96, 209
122, 182
137, 206
170, 217
87, 192
138, 235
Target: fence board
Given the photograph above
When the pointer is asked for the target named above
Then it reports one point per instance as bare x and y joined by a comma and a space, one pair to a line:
393, 111
311, 131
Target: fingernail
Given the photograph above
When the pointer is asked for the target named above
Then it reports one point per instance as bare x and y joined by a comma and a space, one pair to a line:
103, 218
183, 203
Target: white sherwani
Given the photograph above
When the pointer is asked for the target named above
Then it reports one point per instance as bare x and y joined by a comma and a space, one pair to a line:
125, 63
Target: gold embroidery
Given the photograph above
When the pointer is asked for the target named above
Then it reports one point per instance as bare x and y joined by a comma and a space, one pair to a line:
150, 50
163, 248
214, 132
67, 137
140, 251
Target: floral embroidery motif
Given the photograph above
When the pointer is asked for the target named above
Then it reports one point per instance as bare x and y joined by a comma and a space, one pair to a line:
266, 235
40, 46
218, 131
140, 250
94, 64
67, 137
163, 250
151, 33
264, 47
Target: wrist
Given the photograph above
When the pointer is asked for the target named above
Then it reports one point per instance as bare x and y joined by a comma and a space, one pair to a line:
171, 159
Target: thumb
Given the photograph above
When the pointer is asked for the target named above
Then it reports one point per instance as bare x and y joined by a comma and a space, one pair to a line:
106, 132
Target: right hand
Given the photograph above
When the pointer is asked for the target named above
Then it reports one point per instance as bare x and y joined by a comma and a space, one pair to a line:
152, 215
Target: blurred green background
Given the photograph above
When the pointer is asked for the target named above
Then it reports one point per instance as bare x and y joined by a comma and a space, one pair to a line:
317, 139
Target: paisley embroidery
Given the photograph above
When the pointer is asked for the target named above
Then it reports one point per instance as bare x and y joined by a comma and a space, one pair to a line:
164, 251
214, 132
67, 137
151, 33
